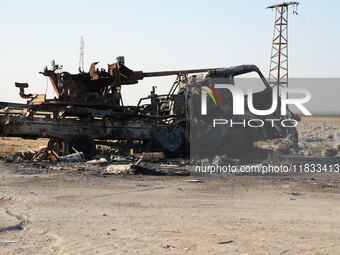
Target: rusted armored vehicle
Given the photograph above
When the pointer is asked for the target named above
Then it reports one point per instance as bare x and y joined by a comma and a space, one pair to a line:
88, 109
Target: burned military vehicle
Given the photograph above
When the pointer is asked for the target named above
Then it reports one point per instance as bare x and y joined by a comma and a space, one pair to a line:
88, 109
217, 127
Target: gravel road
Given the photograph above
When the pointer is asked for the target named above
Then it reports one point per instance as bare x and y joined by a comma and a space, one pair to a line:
66, 212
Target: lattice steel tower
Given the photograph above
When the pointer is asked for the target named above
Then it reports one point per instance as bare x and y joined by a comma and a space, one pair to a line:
278, 72
81, 58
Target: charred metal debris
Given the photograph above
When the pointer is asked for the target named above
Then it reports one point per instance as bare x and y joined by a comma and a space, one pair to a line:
88, 110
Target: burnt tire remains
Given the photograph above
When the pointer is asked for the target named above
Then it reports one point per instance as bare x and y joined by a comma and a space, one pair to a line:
83, 144
168, 138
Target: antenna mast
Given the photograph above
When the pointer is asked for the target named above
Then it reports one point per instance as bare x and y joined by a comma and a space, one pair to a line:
81, 59
278, 72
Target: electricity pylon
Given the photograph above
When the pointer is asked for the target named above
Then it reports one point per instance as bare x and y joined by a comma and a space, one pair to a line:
278, 72
81, 58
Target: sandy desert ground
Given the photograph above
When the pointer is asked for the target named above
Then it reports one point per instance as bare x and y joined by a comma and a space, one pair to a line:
43, 211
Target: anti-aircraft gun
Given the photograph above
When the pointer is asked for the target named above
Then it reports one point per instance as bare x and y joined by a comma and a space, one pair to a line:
97, 88
88, 110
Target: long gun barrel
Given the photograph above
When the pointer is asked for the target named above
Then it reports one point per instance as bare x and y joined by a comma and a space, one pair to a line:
167, 73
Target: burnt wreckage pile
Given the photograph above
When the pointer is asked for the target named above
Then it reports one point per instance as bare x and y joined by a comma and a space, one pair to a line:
89, 110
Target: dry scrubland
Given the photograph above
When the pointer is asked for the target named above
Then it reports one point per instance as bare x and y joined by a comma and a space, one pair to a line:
69, 212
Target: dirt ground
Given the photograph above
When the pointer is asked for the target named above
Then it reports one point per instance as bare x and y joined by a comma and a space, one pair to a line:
43, 211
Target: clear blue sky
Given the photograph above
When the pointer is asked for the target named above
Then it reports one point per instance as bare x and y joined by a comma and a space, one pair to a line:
160, 35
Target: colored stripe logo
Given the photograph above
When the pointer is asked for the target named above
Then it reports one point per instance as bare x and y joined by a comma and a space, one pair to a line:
212, 93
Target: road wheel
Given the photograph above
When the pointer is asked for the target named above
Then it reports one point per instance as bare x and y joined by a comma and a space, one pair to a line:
55, 145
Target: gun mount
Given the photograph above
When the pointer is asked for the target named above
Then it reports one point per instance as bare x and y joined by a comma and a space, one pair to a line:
95, 88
